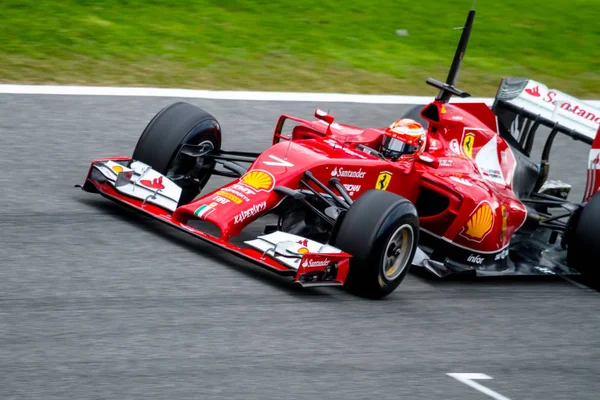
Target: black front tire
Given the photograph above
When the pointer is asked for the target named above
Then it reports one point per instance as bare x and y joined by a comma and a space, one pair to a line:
583, 252
158, 146
367, 232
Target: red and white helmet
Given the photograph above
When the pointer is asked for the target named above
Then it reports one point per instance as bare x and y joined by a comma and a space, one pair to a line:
404, 136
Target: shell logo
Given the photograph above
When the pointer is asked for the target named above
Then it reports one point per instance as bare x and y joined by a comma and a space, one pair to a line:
480, 224
302, 250
259, 180
117, 168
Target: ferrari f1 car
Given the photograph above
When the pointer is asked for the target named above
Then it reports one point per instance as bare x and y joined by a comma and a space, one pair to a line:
357, 207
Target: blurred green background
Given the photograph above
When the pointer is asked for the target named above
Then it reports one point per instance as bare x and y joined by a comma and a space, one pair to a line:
346, 46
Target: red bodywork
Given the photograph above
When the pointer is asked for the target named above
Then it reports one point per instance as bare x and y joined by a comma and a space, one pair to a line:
461, 184
481, 213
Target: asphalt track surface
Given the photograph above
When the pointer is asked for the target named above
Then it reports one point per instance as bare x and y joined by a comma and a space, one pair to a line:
100, 303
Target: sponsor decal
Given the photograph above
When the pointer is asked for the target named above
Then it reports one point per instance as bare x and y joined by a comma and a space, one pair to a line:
259, 180
155, 183
480, 223
352, 188
237, 193
454, 146
302, 250
229, 196
553, 97
383, 180
502, 255
315, 263
534, 91
243, 189
250, 212
348, 173
204, 210
493, 174
457, 118
434, 144
117, 168
303, 242
475, 259
461, 180
467, 144
446, 162
220, 200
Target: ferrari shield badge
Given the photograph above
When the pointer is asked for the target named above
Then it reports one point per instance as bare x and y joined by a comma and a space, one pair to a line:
383, 180
468, 142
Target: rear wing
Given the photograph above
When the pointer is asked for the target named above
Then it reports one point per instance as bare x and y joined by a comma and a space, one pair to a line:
522, 105
520, 101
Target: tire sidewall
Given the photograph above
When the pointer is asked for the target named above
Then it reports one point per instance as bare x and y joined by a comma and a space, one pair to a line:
161, 141
584, 242
366, 236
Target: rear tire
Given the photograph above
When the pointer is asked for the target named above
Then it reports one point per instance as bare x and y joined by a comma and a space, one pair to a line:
583, 252
381, 232
159, 145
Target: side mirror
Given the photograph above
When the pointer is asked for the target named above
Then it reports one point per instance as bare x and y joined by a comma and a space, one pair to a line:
323, 116
425, 158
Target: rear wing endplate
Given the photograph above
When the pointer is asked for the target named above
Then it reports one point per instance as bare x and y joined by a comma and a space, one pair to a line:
521, 102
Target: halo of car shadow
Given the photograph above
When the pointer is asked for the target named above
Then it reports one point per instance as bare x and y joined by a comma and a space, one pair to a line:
283, 284
189, 243
471, 278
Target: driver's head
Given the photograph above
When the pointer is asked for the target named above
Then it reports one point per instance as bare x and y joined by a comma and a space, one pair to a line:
404, 136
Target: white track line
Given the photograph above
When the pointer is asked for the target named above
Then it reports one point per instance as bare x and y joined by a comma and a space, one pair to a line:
230, 95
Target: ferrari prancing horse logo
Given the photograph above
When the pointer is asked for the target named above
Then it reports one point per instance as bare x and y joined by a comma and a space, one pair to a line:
468, 142
383, 180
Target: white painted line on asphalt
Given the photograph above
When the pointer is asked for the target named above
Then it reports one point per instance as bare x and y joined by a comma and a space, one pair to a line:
217, 94
469, 378
231, 95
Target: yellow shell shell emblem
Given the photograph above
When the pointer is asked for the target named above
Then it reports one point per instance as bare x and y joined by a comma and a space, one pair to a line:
117, 168
302, 250
480, 224
259, 180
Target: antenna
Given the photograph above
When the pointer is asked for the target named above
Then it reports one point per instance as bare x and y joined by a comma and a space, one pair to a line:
447, 90
288, 149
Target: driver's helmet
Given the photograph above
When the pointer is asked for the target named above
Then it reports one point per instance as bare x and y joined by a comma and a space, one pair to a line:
404, 136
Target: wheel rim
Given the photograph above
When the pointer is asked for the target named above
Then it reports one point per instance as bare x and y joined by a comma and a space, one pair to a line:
397, 252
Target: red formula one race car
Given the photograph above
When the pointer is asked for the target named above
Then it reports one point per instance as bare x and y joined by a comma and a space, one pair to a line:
358, 207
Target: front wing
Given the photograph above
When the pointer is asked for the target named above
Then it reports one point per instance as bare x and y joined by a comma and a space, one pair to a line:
138, 186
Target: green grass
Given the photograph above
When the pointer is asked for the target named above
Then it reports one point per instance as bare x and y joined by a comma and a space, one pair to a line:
299, 45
